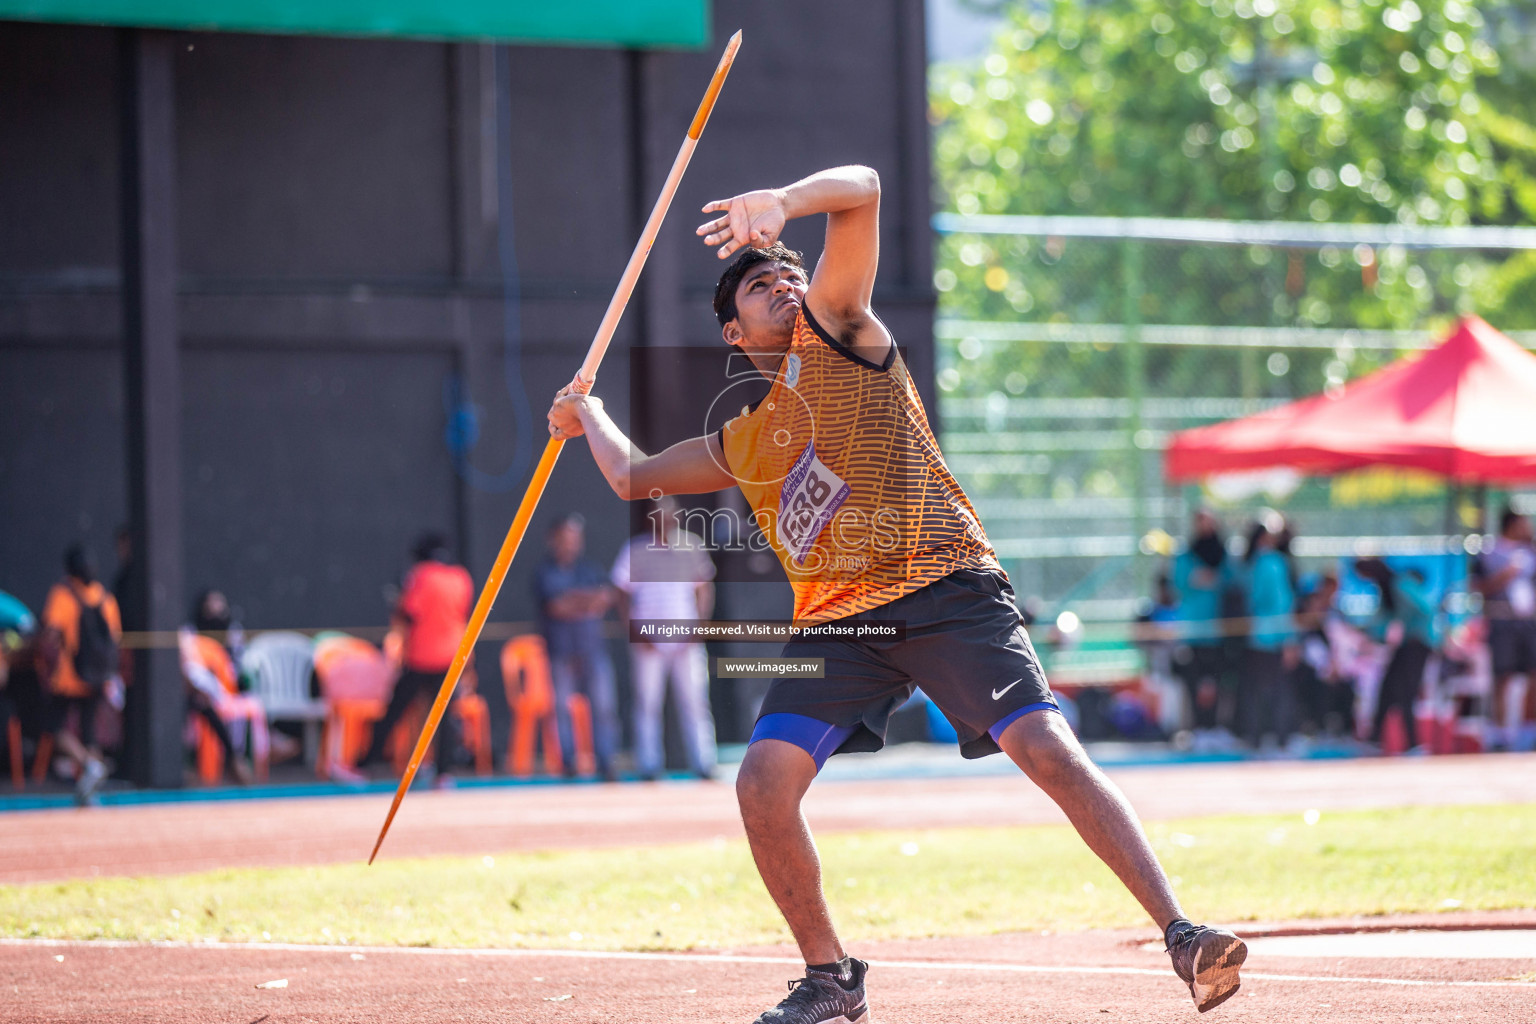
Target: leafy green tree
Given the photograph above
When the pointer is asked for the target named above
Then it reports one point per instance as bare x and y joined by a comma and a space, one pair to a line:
1361, 111
1318, 110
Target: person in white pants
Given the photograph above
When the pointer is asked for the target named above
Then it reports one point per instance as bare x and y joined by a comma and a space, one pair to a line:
666, 574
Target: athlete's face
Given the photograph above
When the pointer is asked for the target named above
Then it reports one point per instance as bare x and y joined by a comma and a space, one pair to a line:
767, 301
566, 542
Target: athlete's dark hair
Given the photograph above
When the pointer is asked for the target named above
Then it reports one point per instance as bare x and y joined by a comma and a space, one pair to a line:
1257, 531
746, 259
575, 519
1381, 574
431, 546
80, 563
1508, 519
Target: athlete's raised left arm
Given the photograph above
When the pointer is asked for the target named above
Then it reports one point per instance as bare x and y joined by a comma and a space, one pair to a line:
840, 289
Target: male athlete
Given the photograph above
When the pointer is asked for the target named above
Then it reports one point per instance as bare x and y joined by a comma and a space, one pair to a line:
848, 485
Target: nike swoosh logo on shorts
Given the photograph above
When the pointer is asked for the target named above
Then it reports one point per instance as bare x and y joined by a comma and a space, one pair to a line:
998, 694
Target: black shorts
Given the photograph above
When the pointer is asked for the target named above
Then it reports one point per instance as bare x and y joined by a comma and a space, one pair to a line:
1512, 643
965, 645
1199, 662
55, 709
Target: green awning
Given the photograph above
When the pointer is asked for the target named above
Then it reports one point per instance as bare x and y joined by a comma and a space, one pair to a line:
637, 23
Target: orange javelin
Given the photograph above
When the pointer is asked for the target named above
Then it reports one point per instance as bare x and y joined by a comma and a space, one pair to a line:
583, 382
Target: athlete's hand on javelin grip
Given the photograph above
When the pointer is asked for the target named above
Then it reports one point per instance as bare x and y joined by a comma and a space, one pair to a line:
752, 218
565, 413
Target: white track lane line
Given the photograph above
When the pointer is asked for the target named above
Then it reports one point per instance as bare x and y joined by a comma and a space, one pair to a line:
733, 958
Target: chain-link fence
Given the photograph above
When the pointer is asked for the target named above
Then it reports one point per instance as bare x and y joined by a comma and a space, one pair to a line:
1071, 349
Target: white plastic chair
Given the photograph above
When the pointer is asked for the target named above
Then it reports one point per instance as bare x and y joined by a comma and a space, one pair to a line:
279, 665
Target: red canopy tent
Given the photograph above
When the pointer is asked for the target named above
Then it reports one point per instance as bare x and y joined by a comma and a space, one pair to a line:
1466, 409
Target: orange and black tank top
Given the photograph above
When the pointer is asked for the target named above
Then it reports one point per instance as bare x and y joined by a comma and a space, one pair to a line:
846, 481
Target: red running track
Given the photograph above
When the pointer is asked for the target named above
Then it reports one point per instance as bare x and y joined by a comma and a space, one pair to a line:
1091, 976
1082, 977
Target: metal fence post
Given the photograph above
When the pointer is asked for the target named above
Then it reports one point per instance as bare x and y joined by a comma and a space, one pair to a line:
1135, 389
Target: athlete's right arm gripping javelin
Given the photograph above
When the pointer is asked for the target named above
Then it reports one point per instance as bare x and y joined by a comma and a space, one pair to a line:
694, 466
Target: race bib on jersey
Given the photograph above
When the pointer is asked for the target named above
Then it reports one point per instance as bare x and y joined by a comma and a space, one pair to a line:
791, 370
811, 495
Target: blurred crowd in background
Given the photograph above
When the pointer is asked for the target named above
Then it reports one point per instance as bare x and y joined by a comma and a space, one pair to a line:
344, 705
1254, 652
1244, 651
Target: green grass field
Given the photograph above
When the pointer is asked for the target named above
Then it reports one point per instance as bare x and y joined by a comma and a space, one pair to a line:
881, 885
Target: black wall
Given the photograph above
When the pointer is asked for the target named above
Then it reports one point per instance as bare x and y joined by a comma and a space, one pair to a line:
341, 210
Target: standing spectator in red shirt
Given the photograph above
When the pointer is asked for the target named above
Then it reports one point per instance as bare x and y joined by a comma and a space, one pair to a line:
432, 614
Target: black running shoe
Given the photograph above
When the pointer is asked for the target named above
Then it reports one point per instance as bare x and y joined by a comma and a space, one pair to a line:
1207, 960
820, 996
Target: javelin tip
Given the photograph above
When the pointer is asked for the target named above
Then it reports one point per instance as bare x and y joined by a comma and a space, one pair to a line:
721, 70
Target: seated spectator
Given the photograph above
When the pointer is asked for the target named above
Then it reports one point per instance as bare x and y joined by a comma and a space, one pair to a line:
82, 630
430, 616
1157, 634
1324, 692
209, 670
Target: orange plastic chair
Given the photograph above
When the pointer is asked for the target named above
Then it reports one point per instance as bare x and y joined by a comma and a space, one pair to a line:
355, 679
43, 757
236, 707
335, 647
474, 722
13, 744
531, 696
581, 731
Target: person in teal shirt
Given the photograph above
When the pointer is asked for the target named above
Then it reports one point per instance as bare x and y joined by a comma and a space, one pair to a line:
16, 623
1266, 697
15, 617
1201, 574
1407, 600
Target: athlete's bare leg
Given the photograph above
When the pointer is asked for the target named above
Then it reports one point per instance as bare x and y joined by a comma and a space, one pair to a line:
773, 779
1042, 744
71, 747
